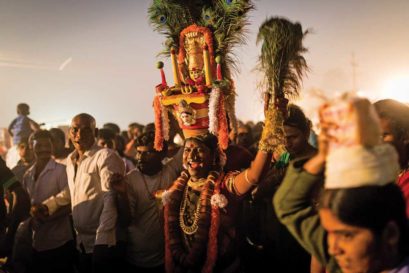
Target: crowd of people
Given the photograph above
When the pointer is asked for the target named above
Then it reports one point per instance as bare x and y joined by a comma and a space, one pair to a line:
108, 201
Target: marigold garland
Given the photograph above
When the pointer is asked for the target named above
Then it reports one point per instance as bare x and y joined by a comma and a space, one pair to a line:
208, 226
165, 122
158, 144
214, 230
223, 133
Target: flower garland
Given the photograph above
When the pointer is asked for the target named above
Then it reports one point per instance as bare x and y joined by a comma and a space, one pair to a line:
158, 144
223, 133
165, 123
213, 110
208, 226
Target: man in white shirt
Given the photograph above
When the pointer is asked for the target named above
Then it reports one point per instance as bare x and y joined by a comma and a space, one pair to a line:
89, 170
53, 242
146, 246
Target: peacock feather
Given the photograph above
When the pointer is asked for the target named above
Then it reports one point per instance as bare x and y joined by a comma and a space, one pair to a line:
283, 66
225, 18
281, 59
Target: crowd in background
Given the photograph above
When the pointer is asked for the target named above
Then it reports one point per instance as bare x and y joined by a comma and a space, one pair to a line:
65, 208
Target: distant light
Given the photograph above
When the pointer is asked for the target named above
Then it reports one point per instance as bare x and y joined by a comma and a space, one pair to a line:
65, 63
397, 89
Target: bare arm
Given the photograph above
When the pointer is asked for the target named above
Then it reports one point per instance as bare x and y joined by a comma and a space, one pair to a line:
34, 125
10, 129
250, 177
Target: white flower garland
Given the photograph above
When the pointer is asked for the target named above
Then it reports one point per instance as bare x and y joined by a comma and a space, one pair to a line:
219, 200
213, 109
166, 197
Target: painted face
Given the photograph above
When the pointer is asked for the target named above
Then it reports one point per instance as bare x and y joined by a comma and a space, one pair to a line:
82, 134
195, 74
187, 118
295, 140
42, 148
353, 247
197, 158
148, 160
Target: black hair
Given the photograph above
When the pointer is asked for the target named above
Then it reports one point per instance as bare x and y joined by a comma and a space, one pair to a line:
296, 118
371, 207
106, 134
396, 112
23, 142
57, 133
148, 139
40, 134
23, 108
136, 125
150, 127
113, 127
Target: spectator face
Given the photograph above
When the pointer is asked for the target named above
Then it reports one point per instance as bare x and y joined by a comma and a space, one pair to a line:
82, 133
58, 145
148, 160
133, 132
106, 143
295, 140
388, 133
355, 248
25, 152
42, 148
197, 159
244, 137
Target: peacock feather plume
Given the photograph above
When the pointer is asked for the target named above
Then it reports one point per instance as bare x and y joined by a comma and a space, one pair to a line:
227, 19
281, 58
283, 65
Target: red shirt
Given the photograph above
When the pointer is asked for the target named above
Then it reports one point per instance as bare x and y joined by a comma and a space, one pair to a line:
403, 183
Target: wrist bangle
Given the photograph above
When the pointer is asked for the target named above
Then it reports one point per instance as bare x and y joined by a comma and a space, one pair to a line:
247, 178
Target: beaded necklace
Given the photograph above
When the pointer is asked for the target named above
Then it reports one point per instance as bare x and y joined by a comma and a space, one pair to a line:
189, 229
205, 227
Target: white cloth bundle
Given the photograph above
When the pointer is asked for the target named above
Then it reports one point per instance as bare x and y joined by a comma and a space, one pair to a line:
356, 155
359, 165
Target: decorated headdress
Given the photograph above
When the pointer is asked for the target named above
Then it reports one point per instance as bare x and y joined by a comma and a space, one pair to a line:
283, 66
200, 38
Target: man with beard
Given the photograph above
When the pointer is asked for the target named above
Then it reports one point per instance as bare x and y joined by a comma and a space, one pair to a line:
145, 250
